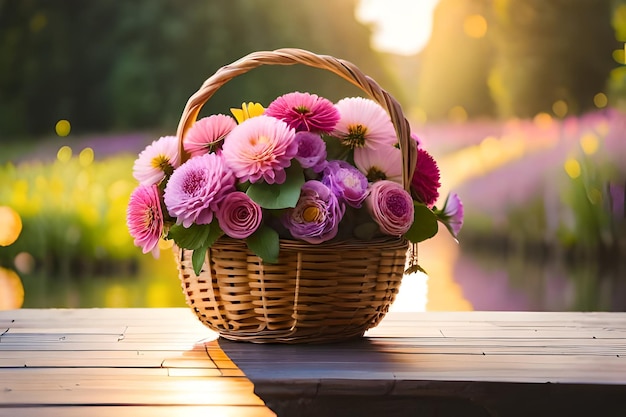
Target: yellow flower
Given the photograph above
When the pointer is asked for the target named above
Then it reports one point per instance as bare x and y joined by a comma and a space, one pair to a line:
247, 111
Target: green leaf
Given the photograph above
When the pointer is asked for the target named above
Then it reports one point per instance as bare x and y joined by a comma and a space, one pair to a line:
265, 243
278, 196
192, 237
199, 254
215, 233
424, 224
197, 259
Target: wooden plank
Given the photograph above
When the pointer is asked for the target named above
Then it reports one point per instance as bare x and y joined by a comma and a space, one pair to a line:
112, 386
138, 411
100, 358
140, 361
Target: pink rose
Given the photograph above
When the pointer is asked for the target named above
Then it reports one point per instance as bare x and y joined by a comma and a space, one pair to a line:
391, 207
238, 215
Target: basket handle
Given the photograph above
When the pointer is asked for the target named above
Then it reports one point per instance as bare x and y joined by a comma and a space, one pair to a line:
292, 56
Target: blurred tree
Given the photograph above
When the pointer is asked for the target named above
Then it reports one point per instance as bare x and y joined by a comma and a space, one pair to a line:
132, 65
456, 61
549, 51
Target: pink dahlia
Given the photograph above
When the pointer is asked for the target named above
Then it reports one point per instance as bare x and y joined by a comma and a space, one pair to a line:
391, 207
238, 215
363, 123
207, 134
194, 190
382, 163
260, 148
157, 161
145, 219
304, 112
425, 183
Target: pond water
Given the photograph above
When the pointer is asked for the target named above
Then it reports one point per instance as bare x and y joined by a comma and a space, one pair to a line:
458, 280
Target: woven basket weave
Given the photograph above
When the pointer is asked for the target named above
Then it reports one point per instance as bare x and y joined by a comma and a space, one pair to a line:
315, 293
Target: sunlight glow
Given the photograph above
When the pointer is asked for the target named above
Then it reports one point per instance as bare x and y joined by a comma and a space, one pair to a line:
401, 27
475, 26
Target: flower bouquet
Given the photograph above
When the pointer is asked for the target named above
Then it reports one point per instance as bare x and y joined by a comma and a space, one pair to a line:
291, 222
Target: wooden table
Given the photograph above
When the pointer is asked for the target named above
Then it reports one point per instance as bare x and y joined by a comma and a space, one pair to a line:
163, 362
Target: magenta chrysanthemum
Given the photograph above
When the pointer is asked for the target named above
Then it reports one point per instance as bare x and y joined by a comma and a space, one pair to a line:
304, 112
157, 161
194, 191
145, 219
363, 123
260, 148
425, 183
207, 134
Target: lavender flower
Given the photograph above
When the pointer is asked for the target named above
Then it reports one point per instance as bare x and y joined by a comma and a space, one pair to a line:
346, 182
196, 188
311, 151
316, 217
452, 214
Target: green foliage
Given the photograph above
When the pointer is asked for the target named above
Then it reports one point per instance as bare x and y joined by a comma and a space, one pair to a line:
549, 51
73, 212
533, 54
455, 66
279, 196
133, 65
424, 226
265, 243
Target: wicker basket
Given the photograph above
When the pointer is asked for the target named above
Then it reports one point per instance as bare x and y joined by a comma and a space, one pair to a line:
315, 293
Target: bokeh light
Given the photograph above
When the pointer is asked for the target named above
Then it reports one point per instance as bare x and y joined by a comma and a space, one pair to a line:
64, 154
572, 167
63, 128
11, 290
10, 225
600, 100
24, 262
560, 108
457, 114
589, 143
85, 158
543, 120
475, 26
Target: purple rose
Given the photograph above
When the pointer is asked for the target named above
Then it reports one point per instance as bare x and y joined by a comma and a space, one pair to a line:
316, 217
311, 151
238, 215
346, 182
391, 207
